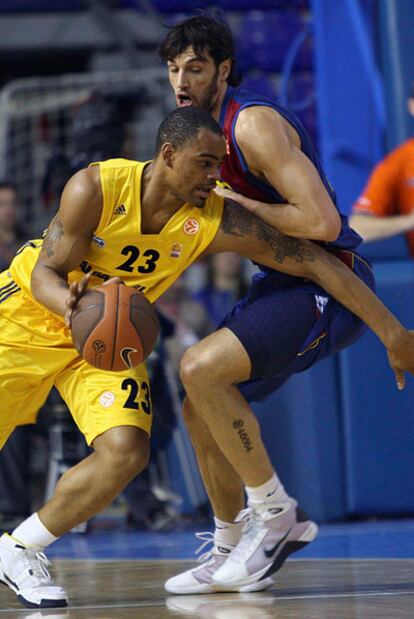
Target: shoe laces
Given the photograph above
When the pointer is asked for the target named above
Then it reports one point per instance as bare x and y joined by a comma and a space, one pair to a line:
37, 563
207, 537
246, 516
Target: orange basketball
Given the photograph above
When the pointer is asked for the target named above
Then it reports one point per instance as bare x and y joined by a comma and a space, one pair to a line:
114, 327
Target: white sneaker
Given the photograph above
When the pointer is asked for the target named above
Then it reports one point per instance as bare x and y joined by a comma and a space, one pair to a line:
272, 533
199, 579
24, 570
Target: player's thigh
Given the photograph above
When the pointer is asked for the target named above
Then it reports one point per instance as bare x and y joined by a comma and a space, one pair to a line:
273, 328
27, 366
99, 400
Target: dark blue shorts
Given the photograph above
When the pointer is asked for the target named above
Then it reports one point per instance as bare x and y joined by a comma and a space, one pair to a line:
287, 324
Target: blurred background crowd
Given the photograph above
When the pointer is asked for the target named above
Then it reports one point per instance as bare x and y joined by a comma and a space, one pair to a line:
81, 81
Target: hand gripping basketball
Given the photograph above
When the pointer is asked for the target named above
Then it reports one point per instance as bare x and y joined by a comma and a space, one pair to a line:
114, 327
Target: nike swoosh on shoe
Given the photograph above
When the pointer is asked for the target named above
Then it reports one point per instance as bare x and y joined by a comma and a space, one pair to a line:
269, 553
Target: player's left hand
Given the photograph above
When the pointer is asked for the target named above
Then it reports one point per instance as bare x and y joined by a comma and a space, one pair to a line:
401, 357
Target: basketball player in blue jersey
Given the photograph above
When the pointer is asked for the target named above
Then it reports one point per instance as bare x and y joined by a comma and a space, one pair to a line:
167, 203
283, 325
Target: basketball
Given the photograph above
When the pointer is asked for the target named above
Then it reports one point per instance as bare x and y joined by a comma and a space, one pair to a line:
114, 327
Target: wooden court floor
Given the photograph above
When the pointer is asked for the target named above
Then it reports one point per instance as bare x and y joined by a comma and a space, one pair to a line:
306, 589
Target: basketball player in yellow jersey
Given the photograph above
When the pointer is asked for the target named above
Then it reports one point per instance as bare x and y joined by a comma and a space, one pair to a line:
144, 223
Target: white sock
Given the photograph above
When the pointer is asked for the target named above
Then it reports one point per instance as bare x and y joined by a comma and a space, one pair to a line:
32, 532
227, 534
271, 491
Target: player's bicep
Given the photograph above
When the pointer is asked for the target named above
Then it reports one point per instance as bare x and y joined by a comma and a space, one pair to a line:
244, 233
70, 231
298, 181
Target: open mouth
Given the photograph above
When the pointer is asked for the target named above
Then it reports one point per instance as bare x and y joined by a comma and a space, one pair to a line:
183, 100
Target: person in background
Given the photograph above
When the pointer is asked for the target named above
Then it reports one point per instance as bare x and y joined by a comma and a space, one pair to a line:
14, 481
190, 318
386, 206
226, 284
11, 232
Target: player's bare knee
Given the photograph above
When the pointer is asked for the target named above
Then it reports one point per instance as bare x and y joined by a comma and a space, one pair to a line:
125, 450
196, 368
191, 419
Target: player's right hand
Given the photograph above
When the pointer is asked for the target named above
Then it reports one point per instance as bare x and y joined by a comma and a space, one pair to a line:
401, 357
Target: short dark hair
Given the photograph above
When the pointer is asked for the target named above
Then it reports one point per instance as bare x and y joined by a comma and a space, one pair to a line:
183, 124
202, 33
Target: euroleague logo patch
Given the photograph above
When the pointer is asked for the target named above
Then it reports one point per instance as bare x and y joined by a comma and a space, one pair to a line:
107, 399
191, 226
99, 346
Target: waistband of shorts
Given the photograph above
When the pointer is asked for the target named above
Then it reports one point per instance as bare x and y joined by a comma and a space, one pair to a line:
348, 257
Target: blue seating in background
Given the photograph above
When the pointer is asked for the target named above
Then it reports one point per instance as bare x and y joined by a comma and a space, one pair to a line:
41, 5
175, 6
264, 37
261, 84
245, 5
248, 5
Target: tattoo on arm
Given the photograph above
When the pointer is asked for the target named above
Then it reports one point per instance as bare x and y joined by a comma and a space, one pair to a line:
240, 222
54, 234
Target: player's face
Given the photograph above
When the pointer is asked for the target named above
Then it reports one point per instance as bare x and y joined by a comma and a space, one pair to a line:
196, 167
196, 80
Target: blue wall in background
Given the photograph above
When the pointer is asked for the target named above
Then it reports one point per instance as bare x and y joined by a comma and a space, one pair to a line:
350, 97
397, 41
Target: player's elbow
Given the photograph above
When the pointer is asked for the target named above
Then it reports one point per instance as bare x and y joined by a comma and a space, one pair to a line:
326, 228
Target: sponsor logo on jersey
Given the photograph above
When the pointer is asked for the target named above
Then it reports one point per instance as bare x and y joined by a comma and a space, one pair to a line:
98, 241
107, 399
120, 210
191, 226
176, 250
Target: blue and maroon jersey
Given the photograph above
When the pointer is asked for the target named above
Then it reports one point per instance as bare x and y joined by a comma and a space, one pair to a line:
236, 173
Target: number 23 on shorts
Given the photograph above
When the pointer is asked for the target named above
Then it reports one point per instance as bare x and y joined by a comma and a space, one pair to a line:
134, 389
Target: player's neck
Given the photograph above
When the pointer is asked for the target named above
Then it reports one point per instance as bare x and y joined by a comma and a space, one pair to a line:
218, 104
158, 203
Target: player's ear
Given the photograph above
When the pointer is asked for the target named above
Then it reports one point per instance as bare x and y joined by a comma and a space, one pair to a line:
167, 153
410, 105
224, 69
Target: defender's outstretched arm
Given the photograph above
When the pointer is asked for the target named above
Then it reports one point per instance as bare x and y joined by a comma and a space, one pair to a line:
246, 234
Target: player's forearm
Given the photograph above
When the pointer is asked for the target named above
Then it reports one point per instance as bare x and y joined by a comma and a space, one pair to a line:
373, 228
49, 288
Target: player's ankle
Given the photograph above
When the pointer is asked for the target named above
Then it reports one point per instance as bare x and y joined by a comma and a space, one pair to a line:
272, 491
33, 533
227, 534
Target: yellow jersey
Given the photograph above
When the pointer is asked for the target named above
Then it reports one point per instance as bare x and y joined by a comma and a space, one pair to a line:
148, 262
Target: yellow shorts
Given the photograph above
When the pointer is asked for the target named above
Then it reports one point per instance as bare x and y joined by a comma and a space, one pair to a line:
36, 353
